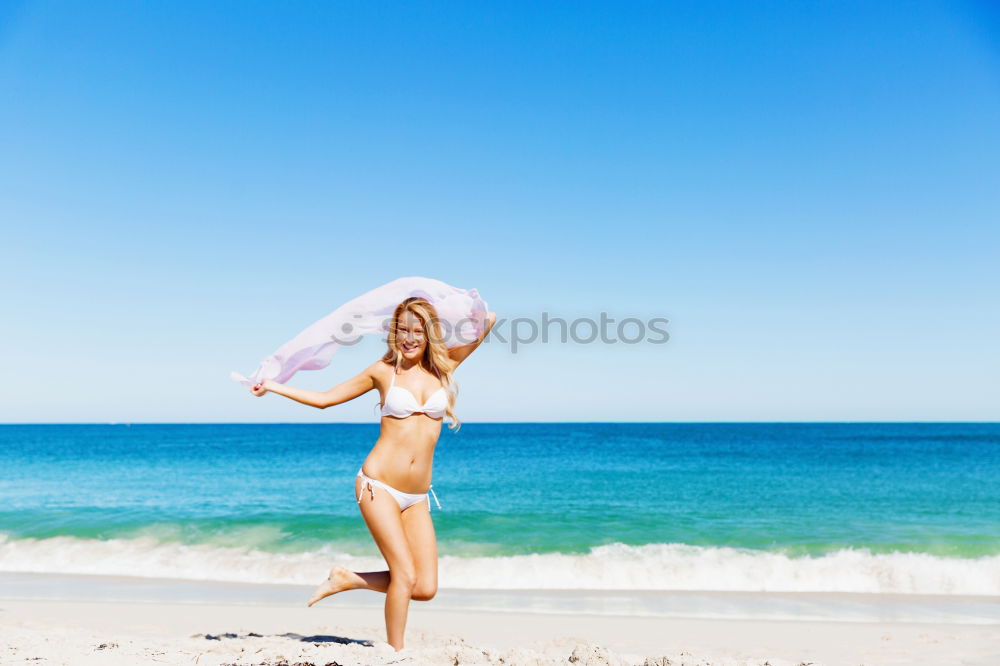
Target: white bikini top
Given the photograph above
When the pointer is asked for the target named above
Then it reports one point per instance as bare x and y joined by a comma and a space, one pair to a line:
400, 402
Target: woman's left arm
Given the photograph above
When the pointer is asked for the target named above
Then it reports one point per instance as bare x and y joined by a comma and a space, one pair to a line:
349, 390
459, 354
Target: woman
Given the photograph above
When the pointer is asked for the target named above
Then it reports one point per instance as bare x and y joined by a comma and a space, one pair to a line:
414, 378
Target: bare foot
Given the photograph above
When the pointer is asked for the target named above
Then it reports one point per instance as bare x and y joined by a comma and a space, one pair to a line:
340, 579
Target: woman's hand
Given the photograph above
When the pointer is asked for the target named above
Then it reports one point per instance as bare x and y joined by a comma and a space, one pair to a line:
487, 320
260, 388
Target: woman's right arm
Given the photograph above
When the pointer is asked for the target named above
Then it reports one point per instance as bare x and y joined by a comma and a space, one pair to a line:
459, 354
341, 393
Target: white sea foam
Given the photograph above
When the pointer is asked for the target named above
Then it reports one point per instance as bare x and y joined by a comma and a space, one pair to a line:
610, 567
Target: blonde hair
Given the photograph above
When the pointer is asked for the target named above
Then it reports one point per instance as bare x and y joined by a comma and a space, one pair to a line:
435, 358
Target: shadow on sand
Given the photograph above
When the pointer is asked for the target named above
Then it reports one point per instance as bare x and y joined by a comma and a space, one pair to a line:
342, 640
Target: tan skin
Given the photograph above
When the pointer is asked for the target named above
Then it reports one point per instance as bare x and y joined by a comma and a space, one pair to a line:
402, 457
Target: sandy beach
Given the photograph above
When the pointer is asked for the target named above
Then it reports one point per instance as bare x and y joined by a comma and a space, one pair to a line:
140, 621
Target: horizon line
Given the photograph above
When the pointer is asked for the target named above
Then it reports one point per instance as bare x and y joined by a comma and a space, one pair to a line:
369, 423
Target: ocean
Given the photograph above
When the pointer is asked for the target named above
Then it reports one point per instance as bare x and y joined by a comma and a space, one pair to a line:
902, 508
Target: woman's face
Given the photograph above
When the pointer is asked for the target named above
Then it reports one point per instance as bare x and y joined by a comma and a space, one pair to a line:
411, 339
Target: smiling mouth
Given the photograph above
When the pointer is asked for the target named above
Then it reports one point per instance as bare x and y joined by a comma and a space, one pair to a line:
409, 348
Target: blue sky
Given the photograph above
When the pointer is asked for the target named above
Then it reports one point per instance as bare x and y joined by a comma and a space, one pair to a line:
809, 192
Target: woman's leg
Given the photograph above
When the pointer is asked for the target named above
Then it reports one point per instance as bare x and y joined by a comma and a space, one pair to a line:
423, 545
382, 515
341, 579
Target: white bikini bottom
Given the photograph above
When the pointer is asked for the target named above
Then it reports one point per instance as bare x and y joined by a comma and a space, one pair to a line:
404, 500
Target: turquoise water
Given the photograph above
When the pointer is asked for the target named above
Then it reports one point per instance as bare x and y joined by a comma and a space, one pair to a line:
867, 507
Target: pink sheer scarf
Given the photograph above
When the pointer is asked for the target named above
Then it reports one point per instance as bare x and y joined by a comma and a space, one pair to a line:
462, 311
